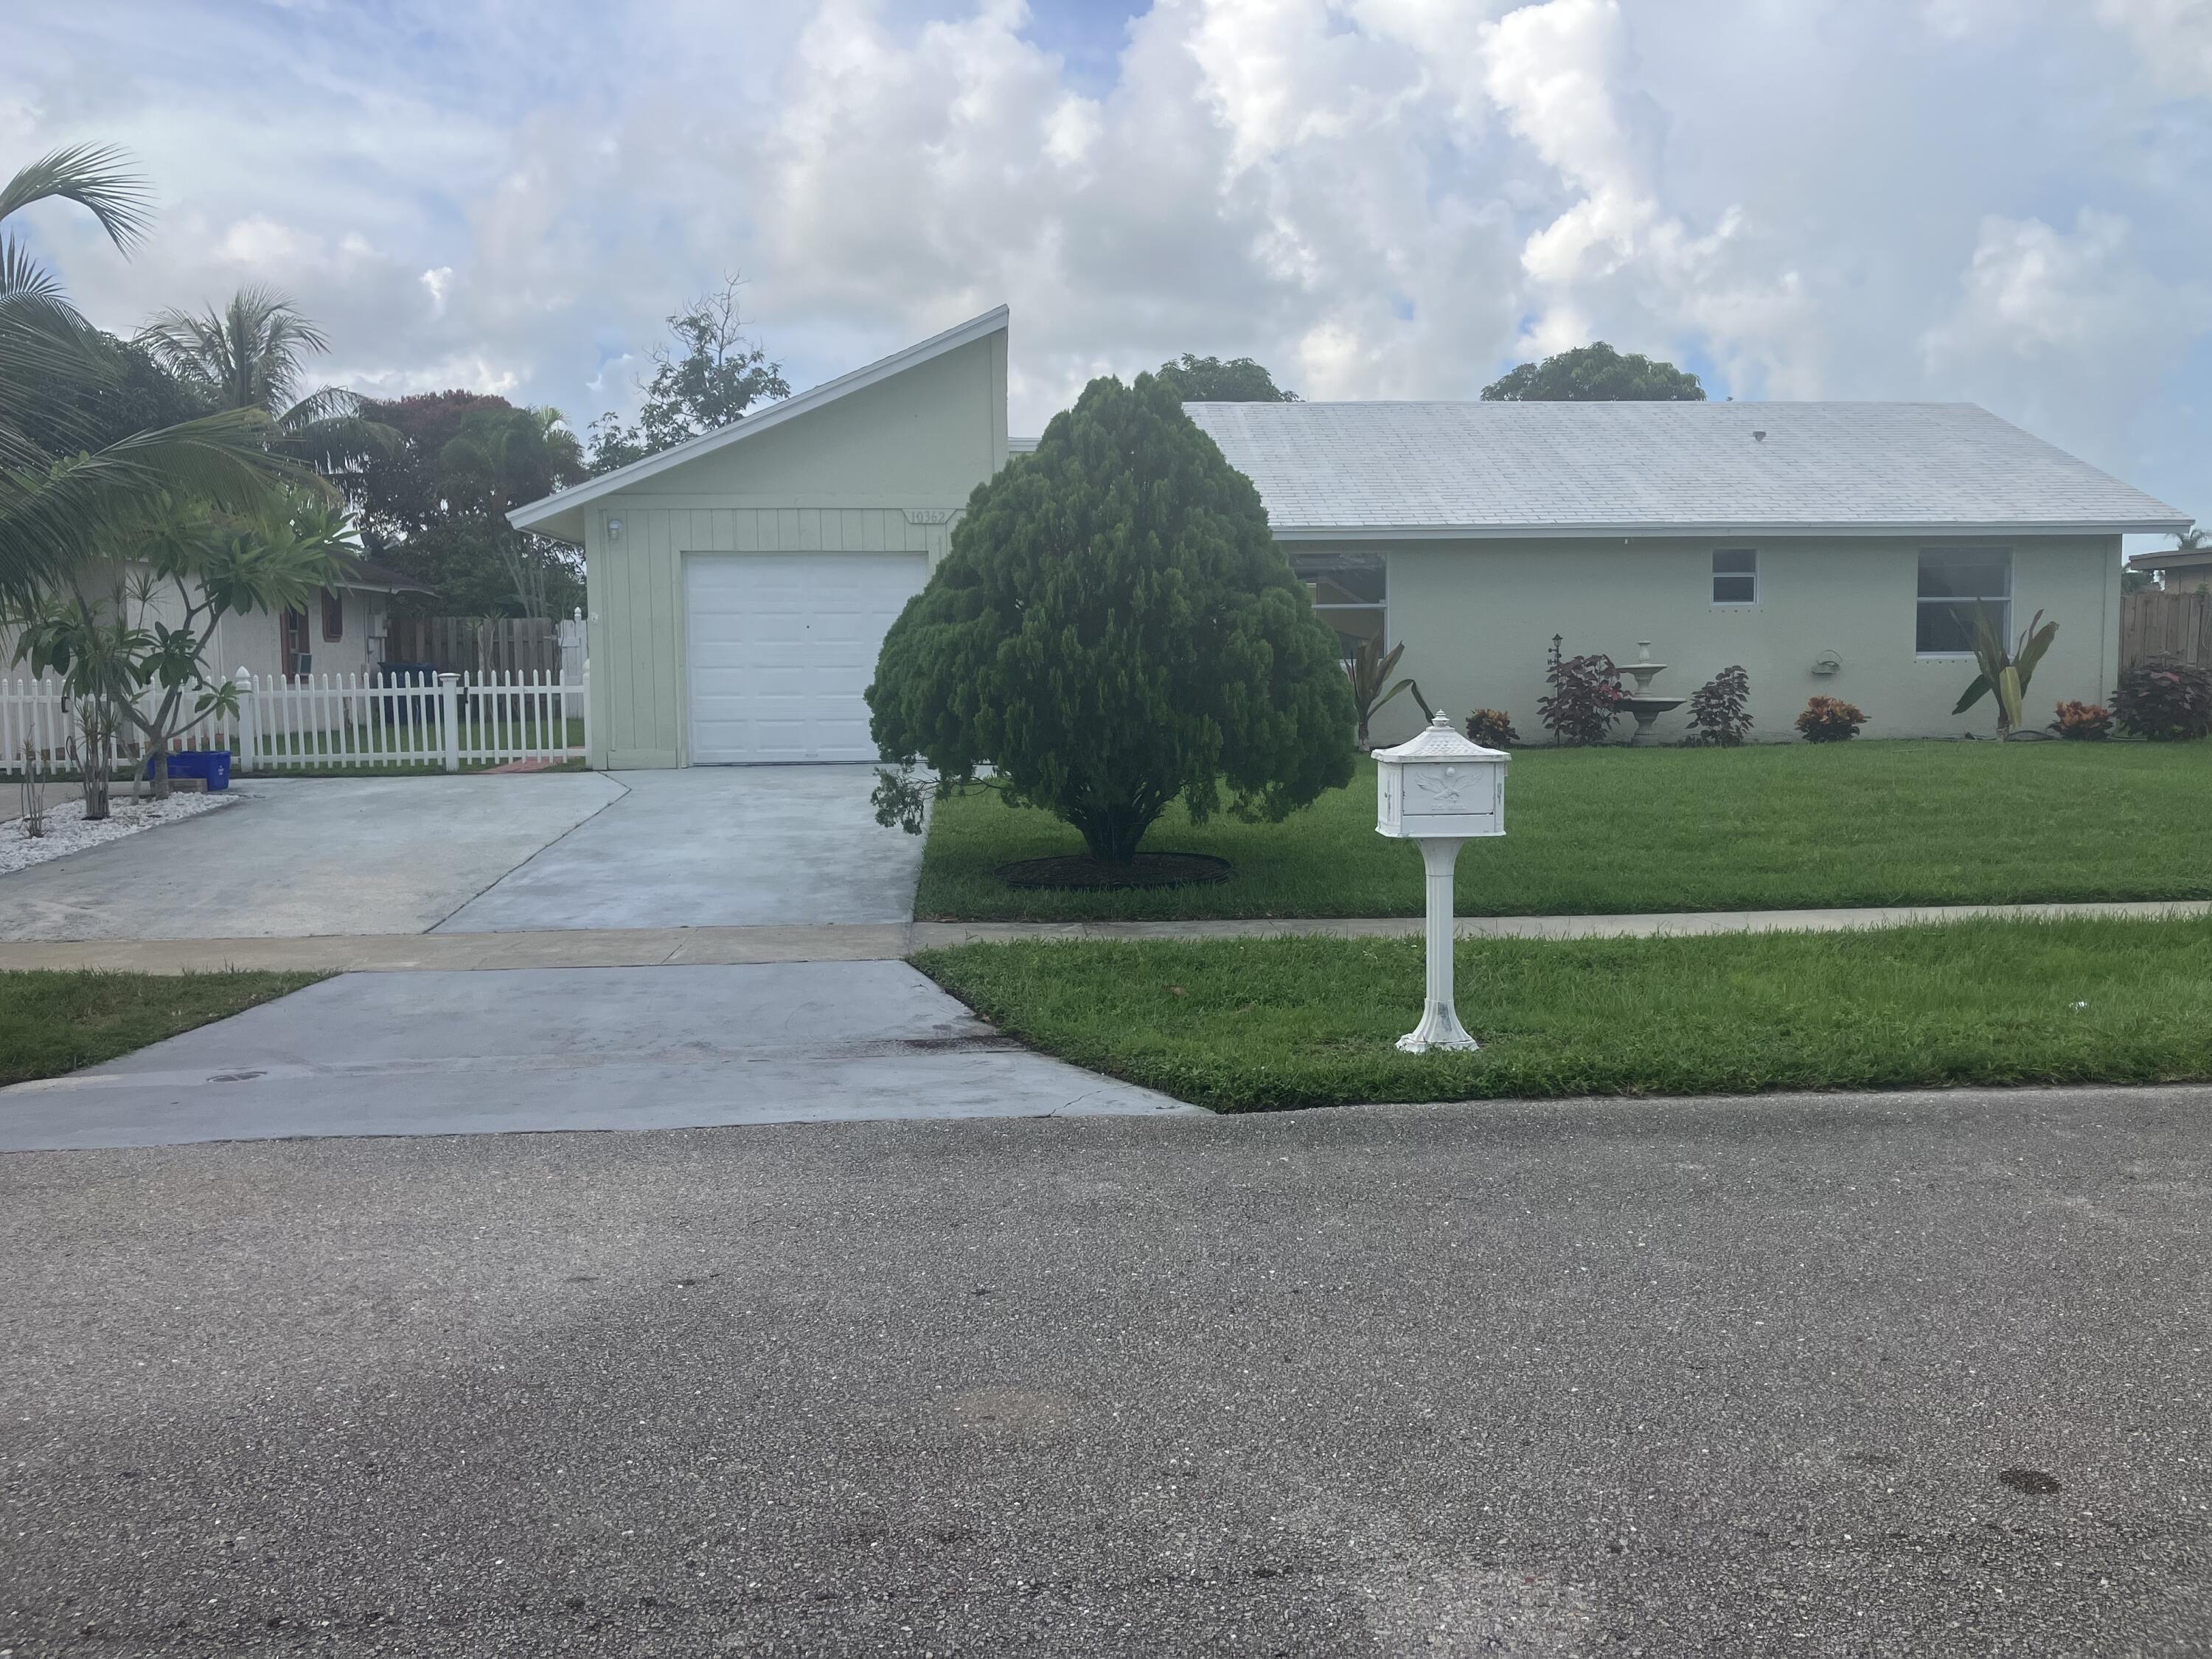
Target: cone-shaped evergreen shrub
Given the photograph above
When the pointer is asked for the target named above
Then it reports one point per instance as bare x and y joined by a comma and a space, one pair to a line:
1115, 627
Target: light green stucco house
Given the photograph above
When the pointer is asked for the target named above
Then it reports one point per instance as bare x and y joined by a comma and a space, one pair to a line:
740, 585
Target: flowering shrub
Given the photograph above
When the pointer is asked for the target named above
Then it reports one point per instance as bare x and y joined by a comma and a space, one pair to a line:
1584, 699
2165, 701
1493, 728
2083, 722
1719, 709
1830, 719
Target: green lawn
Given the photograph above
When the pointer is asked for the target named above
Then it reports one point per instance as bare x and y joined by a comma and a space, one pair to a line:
1602, 831
52, 1023
1258, 1024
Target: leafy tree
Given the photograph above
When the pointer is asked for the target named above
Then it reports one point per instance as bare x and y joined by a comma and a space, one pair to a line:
71, 464
1114, 628
250, 354
439, 521
718, 373
136, 640
1210, 381
1595, 375
498, 460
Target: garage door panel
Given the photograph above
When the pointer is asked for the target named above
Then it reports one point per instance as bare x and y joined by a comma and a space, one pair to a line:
783, 647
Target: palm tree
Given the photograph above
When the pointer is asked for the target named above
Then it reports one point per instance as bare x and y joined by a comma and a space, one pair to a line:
57, 509
250, 354
2189, 540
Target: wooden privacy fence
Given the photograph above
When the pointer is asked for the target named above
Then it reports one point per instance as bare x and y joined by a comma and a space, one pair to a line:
315, 722
466, 645
2158, 624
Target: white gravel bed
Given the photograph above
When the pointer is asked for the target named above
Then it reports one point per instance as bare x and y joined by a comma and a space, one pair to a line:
66, 831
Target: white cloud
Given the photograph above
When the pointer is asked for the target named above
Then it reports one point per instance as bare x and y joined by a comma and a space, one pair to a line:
2068, 330
1991, 198
2174, 36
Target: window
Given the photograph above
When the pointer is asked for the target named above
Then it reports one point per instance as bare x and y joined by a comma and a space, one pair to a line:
333, 615
1956, 582
1347, 591
295, 642
1735, 575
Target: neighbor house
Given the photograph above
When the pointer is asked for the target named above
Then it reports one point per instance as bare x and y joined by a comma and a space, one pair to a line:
740, 585
340, 630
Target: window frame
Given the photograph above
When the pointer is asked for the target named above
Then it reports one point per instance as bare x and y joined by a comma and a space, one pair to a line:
1326, 610
1716, 575
1921, 601
333, 607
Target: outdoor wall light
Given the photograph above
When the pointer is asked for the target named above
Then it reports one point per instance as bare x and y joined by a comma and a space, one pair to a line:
614, 530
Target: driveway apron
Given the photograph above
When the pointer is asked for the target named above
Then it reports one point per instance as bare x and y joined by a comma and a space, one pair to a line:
444, 1053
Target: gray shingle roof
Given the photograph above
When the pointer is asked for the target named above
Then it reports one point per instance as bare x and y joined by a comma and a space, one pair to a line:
1475, 468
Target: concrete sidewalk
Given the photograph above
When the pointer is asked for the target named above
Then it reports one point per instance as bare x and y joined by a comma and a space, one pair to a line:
889, 941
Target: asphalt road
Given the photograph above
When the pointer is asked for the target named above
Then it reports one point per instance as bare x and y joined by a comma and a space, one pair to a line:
1919, 1375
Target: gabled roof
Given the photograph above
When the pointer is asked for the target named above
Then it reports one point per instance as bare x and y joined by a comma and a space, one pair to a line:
365, 576
1413, 471
537, 512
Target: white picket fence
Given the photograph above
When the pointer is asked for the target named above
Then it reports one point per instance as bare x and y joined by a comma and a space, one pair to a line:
322, 722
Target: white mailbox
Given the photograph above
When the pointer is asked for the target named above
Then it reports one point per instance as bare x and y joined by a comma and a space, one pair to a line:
1439, 790
1440, 784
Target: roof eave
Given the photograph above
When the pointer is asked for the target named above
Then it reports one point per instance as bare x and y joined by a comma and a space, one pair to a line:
535, 516
1464, 532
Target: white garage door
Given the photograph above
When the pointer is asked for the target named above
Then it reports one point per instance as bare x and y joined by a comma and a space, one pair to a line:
783, 647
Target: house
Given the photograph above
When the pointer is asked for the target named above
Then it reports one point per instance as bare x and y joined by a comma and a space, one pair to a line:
340, 631
2178, 569
740, 585
1828, 548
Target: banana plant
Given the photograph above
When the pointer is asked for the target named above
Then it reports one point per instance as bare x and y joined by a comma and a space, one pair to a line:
1370, 671
2005, 674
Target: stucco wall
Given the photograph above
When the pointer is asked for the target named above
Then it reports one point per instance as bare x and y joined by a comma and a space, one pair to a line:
884, 469
1477, 619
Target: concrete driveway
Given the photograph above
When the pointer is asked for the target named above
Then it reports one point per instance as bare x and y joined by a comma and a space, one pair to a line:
715, 847
296, 857
442, 1053
1880, 1376
306, 857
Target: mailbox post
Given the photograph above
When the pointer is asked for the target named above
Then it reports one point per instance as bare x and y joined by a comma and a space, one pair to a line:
1439, 790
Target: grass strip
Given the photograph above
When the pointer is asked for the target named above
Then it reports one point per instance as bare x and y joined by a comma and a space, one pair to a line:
56, 1022
1259, 1025
1613, 832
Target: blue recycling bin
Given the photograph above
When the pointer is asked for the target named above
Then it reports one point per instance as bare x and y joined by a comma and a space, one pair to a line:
413, 676
212, 764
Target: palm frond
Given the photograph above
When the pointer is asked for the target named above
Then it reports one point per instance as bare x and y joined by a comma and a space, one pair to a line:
59, 517
97, 178
250, 353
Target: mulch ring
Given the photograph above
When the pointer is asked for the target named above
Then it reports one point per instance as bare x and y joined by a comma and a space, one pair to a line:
1080, 870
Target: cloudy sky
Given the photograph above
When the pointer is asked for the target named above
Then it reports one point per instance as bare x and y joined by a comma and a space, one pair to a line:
1996, 200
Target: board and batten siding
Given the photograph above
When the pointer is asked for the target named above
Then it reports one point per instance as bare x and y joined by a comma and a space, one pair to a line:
886, 469
1476, 618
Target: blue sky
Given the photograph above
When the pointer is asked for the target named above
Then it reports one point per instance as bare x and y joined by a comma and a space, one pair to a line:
1993, 200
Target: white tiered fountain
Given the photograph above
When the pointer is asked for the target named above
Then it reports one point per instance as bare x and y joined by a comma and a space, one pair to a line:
1640, 703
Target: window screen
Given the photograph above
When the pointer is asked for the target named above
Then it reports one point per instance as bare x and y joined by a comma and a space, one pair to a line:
1735, 575
1956, 582
1348, 592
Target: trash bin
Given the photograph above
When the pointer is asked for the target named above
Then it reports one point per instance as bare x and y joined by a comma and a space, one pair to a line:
401, 710
212, 764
